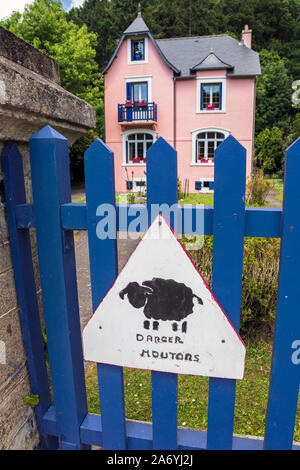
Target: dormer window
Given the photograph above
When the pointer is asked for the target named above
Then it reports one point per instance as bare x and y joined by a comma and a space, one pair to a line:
137, 49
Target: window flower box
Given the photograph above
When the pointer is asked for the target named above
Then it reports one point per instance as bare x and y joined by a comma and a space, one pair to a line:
143, 103
128, 104
210, 107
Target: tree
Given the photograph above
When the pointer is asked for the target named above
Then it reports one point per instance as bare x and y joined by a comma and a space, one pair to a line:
294, 131
273, 93
45, 26
268, 153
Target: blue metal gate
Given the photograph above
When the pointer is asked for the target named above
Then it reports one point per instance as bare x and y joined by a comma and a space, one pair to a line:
66, 423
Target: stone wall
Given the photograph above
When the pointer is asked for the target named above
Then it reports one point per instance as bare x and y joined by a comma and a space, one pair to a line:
30, 98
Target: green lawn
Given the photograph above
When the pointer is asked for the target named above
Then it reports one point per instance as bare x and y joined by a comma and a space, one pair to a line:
194, 199
251, 395
206, 199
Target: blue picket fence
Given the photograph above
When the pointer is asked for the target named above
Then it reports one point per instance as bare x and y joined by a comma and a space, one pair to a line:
66, 423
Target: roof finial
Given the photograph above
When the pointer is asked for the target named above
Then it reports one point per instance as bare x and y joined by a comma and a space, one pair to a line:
139, 9
212, 50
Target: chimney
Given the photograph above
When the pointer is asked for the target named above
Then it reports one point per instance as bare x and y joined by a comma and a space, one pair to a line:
247, 36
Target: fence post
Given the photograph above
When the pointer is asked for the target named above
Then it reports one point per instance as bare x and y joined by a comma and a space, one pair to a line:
285, 373
228, 243
100, 189
26, 289
51, 187
162, 189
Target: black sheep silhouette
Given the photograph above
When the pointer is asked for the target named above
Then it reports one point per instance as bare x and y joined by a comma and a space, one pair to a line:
162, 299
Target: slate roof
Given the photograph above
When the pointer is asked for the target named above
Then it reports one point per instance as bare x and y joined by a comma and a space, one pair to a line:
137, 26
187, 55
212, 62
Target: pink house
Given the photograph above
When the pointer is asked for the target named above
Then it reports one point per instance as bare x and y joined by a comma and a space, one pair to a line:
192, 91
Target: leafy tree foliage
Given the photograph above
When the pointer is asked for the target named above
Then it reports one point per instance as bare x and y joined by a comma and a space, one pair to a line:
273, 93
269, 150
45, 26
83, 40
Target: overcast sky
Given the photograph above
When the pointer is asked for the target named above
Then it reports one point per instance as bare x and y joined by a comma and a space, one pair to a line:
7, 7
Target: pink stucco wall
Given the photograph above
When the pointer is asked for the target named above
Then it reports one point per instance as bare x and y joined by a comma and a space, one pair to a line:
237, 118
115, 92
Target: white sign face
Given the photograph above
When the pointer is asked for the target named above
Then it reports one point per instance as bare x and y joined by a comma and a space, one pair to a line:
160, 315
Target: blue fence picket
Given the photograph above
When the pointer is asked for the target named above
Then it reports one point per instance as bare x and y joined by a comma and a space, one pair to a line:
51, 188
100, 189
162, 189
54, 218
285, 373
228, 240
26, 289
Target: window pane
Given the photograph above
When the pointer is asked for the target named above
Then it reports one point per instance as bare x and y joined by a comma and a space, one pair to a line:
140, 136
149, 137
201, 149
220, 135
140, 149
138, 50
206, 95
211, 135
216, 96
131, 137
201, 135
131, 150
210, 149
140, 91
143, 94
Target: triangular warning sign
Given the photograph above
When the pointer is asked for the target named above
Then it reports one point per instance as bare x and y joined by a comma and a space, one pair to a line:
160, 315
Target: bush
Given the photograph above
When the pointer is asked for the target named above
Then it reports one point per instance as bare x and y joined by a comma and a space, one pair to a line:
268, 154
259, 283
257, 189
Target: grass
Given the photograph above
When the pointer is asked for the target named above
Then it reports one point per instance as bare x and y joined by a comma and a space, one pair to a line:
251, 395
194, 199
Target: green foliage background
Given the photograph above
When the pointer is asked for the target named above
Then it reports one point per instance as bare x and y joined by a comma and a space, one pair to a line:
83, 40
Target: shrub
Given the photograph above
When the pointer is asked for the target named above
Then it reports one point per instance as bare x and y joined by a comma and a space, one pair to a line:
257, 189
259, 283
268, 153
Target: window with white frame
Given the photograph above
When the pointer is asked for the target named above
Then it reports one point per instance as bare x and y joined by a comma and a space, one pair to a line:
211, 95
205, 142
136, 145
137, 49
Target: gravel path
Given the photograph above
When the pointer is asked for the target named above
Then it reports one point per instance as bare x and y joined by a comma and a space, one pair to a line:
271, 201
125, 248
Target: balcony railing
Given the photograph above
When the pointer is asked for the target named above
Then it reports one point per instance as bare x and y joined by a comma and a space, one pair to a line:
137, 112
